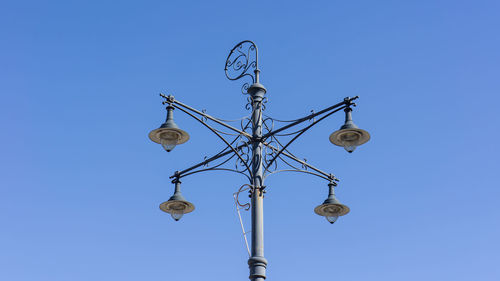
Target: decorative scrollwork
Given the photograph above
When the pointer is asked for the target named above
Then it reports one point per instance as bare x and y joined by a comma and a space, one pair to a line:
250, 102
242, 61
244, 88
203, 117
269, 155
312, 113
271, 150
304, 165
248, 106
267, 125
245, 125
241, 163
244, 187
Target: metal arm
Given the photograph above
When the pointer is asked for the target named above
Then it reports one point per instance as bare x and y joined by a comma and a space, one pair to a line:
299, 134
177, 104
189, 171
213, 169
321, 173
221, 137
217, 156
299, 171
347, 101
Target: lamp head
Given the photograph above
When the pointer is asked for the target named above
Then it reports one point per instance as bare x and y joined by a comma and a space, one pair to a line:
168, 134
177, 205
349, 135
331, 208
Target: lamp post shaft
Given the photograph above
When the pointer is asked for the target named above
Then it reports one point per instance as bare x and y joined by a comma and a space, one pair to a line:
257, 262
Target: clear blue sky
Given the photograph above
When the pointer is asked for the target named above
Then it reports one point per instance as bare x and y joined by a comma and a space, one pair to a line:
80, 182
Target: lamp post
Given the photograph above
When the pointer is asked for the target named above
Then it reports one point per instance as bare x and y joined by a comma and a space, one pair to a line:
256, 147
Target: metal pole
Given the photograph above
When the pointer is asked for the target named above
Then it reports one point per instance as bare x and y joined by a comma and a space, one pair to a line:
257, 262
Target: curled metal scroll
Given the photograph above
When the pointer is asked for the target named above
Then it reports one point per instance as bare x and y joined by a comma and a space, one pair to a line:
242, 162
244, 187
268, 155
267, 124
243, 61
246, 125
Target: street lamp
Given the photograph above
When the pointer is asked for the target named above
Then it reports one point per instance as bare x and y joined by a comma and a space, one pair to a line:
257, 148
331, 209
349, 136
177, 205
169, 135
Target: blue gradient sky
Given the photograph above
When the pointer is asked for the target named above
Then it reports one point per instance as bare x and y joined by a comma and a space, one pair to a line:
80, 183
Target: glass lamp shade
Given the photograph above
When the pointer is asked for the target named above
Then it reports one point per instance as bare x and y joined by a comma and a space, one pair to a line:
176, 215
331, 219
169, 140
350, 140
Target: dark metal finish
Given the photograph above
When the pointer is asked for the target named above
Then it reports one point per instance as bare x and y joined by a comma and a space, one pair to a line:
299, 134
349, 136
178, 105
170, 119
177, 205
205, 162
347, 101
259, 153
257, 262
305, 165
331, 207
169, 131
221, 137
242, 60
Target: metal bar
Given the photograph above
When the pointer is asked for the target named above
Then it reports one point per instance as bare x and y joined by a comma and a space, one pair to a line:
300, 161
280, 144
300, 171
219, 155
304, 163
299, 134
222, 138
243, 229
289, 165
180, 104
215, 169
346, 101
238, 204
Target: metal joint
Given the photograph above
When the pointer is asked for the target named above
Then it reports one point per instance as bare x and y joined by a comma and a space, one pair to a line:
252, 189
332, 183
176, 177
349, 101
333, 179
257, 139
168, 99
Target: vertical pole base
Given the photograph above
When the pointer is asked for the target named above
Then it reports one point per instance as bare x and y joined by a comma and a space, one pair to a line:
257, 268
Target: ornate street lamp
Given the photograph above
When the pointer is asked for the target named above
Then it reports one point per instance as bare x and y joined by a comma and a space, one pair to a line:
169, 135
349, 136
177, 205
331, 209
257, 148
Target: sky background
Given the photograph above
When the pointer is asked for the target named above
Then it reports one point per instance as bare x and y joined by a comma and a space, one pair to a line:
80, 182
